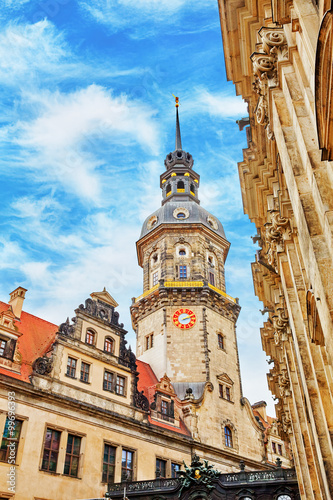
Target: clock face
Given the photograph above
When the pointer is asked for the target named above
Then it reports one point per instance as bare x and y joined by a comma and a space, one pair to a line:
184, 318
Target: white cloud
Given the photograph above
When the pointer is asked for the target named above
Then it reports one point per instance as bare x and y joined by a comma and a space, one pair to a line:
67, 140
117, 14
25, 48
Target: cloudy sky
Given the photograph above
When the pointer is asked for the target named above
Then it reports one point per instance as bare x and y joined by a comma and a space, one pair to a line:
87, 118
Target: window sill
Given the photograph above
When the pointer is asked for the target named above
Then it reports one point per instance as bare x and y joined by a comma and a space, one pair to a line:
69, 376
84, 382
50, 472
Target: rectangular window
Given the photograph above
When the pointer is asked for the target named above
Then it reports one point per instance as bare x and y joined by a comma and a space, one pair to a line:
3, 344
164, 407
51, 450
84, 375
72, 456
149, 341
109, 459
182, 271
71, 367
221, 390
227, 393
212, 279
127, 465
108, 381
279, 449
10, 440
174, 469
120, 385
155, 278
274, 447
160, 468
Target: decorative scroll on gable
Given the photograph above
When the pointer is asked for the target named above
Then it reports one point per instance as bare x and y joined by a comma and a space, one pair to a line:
324, 86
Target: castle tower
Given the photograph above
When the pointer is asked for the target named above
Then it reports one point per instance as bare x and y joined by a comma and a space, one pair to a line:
184, 320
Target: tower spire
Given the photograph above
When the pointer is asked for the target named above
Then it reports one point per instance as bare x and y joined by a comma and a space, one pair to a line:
178, 137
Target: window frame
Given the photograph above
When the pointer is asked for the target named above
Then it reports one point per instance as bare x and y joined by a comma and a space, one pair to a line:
154, 278
183, 272
117, 385
82, 379
3, 348
107, 372
173, 475
158, 462
132, 452
109, 464
111, 341
211, 278
90, 332
52, 429
8, 439
71, 367
72, 455
228, 441
220, 341
149, 341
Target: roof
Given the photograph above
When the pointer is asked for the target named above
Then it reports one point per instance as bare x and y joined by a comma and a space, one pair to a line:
196, 214
37, 336
147, 383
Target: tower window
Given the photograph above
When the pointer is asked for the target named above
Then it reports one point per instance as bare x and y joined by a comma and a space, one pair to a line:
155, 278
228, 436
212, 279
227, 393
220, 341
181, 215
221, 390
168, 190
180, 185
182, 271
192, 190
149, 341
155, 258
182, 252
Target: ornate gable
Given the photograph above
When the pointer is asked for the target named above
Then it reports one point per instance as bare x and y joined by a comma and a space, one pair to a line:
224, 378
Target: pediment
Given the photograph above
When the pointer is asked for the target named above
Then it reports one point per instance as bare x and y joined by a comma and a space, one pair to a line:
164, 385
105, 297
7, 319
224, 378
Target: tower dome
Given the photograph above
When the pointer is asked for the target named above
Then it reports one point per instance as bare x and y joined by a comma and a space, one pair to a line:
180, 186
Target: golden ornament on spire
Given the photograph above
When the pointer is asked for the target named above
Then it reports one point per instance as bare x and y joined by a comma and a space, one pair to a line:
177, 101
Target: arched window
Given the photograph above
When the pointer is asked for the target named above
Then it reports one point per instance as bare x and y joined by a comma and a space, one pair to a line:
109, 345
220, 341
182, 252
192, 190
284, 497
228, 436
181, 215
180, 187
168, 189
90, 337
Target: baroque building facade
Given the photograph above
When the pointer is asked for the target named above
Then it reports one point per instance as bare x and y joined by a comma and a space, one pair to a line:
279, 54
79, 411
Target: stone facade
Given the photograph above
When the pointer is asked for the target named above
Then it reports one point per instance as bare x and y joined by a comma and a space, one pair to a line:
279, 55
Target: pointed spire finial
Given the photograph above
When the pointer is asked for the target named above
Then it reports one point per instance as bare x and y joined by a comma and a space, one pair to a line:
178, 137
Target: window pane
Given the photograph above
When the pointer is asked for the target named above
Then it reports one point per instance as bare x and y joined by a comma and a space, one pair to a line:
51, 448
174, 469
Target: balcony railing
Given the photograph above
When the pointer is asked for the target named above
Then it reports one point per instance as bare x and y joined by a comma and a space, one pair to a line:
185, 284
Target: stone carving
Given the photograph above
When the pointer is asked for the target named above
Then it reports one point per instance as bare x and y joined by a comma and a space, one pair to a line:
281, 326
140, 401
198, 474
101, 310
126, 356
284, 383
43, 365
277, 231
66, 328
274, 48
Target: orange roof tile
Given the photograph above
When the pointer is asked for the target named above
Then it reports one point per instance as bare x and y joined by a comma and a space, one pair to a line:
36, 340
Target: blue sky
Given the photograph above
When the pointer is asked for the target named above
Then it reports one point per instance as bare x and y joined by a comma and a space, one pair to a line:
87, 120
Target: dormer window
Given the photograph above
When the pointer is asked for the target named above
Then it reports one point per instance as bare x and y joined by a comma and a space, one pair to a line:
3, 345
90, 337
109, 345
